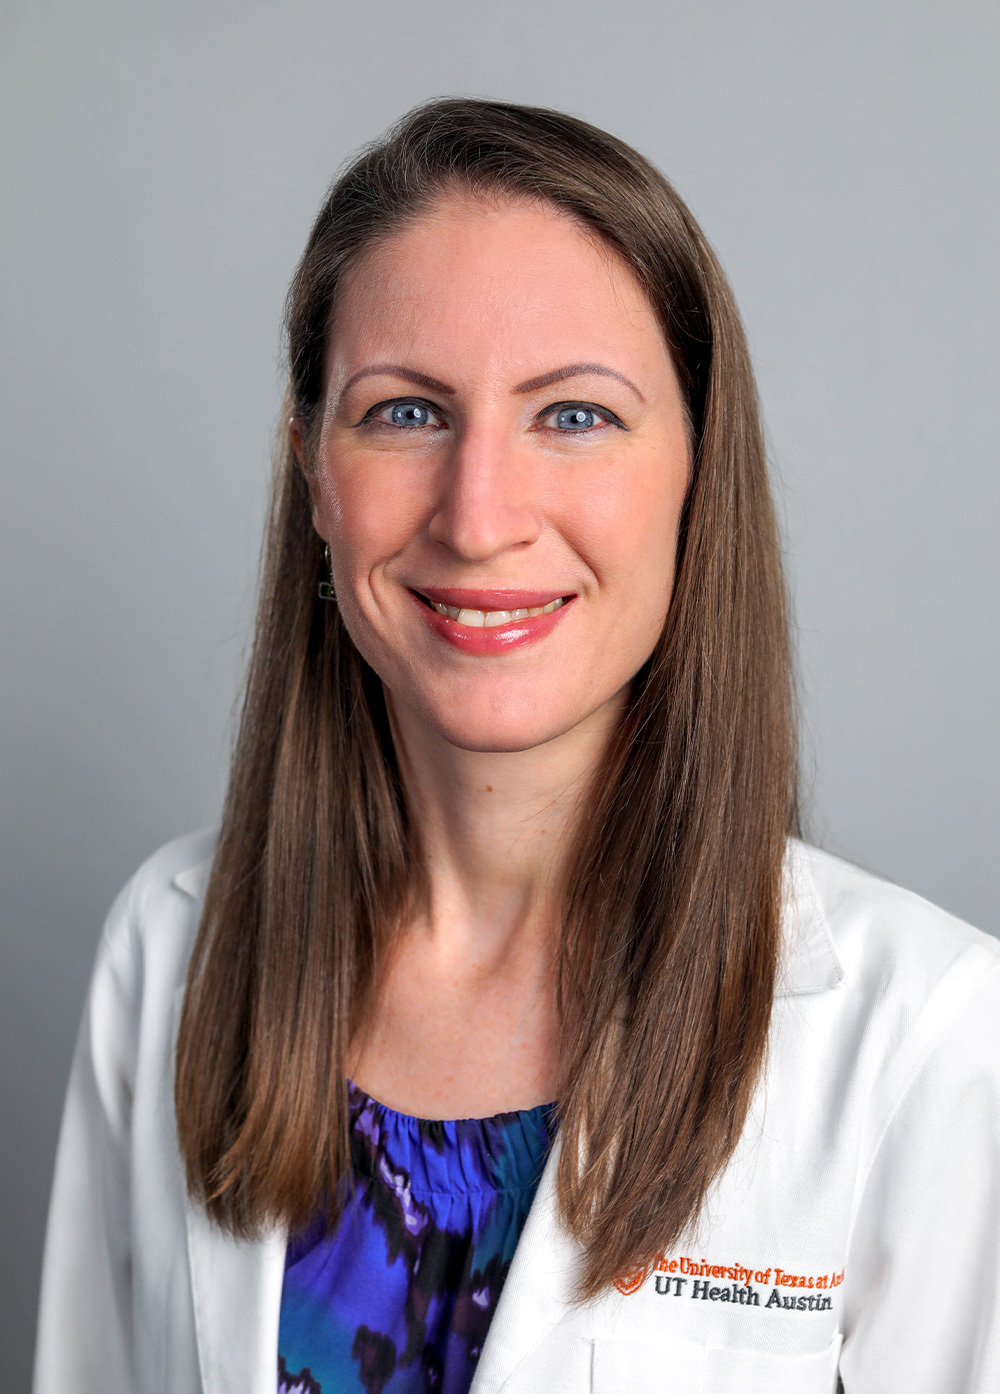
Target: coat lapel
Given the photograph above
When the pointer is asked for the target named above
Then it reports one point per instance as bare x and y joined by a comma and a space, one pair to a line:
236, 1285
538, 1289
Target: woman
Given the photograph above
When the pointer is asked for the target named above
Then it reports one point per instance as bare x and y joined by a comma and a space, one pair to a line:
519, 1043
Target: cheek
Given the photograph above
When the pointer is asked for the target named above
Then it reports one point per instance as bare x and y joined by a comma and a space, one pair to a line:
626, 528
351, 513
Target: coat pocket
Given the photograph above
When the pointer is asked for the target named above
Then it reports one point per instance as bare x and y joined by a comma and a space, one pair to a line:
647, 1367
747, 1371
655, 1367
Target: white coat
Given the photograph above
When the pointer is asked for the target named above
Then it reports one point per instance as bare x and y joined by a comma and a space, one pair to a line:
854, 1239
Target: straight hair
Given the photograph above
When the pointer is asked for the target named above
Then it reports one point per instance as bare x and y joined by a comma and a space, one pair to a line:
672, 900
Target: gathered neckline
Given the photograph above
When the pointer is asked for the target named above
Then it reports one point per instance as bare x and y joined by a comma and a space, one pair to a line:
426, 1156
355, 1092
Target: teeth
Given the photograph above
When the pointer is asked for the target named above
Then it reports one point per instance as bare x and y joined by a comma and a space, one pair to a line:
490, 619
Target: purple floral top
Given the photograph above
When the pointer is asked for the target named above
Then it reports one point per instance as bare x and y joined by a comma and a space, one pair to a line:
399, 1299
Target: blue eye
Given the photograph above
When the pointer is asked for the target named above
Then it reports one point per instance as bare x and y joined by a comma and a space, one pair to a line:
578, 418
575, 418
409, 414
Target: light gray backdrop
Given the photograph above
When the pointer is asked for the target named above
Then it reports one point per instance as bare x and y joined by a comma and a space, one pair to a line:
161, 163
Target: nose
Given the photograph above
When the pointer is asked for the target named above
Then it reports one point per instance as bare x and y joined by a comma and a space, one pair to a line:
487, 501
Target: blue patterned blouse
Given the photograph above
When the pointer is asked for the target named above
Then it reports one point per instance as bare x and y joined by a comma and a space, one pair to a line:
399, 1299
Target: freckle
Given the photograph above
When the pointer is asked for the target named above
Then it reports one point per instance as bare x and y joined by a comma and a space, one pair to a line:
541, 830
489, 788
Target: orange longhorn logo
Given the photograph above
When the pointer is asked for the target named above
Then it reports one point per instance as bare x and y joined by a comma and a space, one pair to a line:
633, 1280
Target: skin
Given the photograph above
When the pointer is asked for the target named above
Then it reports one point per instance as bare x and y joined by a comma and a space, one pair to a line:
496, 751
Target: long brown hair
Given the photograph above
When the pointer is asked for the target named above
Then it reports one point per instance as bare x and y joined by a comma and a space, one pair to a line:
672, 900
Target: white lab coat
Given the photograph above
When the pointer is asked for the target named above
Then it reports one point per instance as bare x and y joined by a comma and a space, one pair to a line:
872, 1152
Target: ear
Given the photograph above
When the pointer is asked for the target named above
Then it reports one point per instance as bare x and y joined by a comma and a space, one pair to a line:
295, 436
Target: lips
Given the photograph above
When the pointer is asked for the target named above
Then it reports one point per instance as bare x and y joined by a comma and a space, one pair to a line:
494, 621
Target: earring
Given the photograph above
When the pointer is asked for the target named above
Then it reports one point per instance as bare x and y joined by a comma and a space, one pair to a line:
326, 591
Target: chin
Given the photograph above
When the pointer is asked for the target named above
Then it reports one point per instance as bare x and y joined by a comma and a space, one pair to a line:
523, 722
497, 713
497, 737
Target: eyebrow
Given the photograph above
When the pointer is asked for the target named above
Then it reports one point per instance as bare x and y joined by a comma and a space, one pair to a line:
576, 370
571, 370
396, 370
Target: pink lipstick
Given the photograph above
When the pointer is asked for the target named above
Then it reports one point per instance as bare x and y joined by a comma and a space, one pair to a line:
490, 621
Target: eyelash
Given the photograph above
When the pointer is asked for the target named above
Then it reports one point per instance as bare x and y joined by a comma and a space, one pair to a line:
371, 417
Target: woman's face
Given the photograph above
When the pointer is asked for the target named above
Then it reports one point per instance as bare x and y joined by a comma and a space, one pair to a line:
503, 429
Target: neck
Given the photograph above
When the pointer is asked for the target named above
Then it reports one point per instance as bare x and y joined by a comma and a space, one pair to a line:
495, 829
474, 964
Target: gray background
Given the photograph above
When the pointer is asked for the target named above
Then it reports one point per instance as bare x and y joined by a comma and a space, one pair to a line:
160, 165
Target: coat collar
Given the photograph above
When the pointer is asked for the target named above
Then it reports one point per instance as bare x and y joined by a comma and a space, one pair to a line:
808, 961
193, 880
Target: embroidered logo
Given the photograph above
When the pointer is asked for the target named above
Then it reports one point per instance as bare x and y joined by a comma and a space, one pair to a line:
692, 1278
633, 1280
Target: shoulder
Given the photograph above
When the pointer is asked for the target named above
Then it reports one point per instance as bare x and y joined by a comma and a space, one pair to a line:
881, 931
150, 929
125, 1044
909, 978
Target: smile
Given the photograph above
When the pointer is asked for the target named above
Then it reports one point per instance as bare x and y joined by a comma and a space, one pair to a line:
490, 622
492, 619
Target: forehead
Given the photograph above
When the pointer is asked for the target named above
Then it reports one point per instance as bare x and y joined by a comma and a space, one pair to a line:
503, 285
